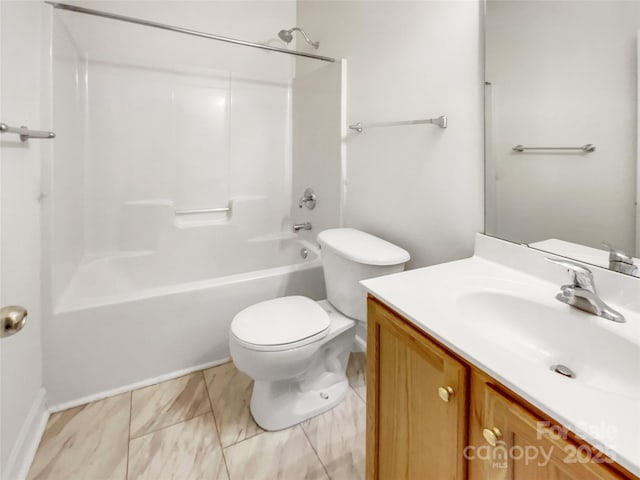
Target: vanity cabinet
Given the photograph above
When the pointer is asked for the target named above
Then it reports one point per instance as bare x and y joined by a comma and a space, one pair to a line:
433, 416
417, 408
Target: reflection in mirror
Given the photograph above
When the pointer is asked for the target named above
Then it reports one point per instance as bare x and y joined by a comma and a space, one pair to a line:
561, 106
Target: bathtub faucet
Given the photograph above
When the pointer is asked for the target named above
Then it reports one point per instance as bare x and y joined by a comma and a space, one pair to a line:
302, 226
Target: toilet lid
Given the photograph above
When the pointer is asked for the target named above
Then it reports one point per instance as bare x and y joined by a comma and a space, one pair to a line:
280, 321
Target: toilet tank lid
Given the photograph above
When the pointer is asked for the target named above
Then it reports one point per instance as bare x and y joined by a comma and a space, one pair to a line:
362, 247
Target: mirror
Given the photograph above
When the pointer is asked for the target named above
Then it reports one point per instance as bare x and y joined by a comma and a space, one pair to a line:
561, 126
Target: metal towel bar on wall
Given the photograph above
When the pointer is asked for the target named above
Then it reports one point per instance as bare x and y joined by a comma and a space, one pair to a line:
25, 133
589, 147
440, 121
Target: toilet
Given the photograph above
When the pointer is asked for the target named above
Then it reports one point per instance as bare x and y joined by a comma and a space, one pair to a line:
296, 349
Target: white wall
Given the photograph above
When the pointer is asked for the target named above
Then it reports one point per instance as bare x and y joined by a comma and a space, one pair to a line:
317, 152
563, 74
22, 408
420, 186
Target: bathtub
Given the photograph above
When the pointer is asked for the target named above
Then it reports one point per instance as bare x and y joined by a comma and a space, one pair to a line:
135, 319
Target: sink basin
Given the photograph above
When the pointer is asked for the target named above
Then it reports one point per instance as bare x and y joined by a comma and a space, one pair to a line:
549, 334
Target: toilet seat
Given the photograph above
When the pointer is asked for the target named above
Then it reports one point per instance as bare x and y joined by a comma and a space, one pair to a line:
280, 324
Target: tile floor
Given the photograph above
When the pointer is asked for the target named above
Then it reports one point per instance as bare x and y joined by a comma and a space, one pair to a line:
199, 427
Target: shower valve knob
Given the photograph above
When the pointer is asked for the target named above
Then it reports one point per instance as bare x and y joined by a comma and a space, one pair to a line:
308, 199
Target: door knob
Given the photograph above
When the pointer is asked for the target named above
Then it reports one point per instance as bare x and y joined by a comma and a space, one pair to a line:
492, 435
446, 393
12, 319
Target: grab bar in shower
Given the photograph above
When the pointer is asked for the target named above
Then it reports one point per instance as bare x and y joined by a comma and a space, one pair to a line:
589, 147
201, 210
25, 133
440, 121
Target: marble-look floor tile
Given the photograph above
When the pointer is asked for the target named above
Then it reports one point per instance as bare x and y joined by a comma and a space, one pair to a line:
168, 403
283, 455
85, 442
230, 392
186, 451
357, 373
339, 438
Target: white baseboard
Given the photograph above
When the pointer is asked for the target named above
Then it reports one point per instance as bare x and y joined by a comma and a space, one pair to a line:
134, 386
26, 445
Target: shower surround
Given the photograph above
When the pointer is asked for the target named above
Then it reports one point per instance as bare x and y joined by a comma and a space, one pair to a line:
139, 285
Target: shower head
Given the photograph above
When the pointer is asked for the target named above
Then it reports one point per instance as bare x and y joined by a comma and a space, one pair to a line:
287, 35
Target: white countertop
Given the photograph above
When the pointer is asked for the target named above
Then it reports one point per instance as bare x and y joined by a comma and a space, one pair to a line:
427, 297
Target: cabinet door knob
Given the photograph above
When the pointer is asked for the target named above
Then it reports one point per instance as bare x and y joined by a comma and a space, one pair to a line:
492, 435
446, 393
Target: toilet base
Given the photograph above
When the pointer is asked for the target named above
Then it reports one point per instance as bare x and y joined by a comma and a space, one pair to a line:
315, 379
280, 405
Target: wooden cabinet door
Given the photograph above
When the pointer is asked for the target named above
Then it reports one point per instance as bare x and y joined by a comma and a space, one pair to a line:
412, 433
526, 447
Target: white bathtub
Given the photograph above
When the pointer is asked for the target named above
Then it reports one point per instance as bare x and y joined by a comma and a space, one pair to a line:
131, 320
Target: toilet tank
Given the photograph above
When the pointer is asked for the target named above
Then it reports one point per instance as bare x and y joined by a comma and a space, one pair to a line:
348, 256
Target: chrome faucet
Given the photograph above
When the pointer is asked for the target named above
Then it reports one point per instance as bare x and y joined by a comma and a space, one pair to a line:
581, 292
620, 261
302, 226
